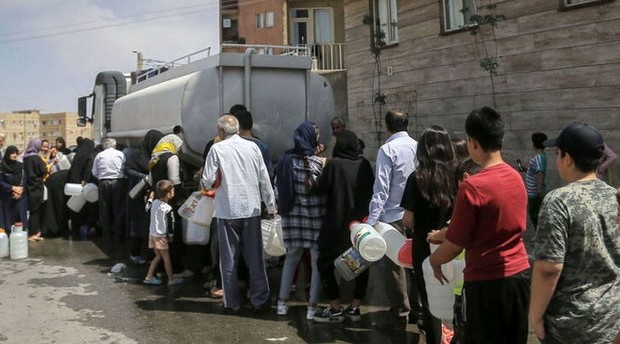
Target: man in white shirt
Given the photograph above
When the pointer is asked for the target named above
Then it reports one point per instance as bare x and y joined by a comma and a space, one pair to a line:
236, 168
395, 162
108, 169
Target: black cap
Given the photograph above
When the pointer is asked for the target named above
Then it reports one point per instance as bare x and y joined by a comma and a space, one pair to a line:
579, 139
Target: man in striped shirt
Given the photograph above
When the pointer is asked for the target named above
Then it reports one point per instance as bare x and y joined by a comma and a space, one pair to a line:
535, 178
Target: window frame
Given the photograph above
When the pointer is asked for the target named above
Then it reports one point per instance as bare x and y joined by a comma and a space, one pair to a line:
259, 20
270, 19
310, 23
391, 7
566, 7
443, 21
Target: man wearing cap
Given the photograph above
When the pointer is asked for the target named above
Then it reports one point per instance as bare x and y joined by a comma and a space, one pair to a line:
576, 278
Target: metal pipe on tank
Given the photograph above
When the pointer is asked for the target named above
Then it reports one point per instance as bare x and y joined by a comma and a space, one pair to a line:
247, 59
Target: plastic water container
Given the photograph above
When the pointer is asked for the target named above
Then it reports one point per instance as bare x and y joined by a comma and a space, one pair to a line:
4, 244
139, 188
394, 240
90, 193
367, 241
188, 209
204, 211
72, 189
459, 278
76, 202
440, 296
273, 240
405, 255
63, 162
350, 264
18, 242
195, 234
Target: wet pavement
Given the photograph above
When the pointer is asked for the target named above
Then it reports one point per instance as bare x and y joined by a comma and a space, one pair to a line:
64, 293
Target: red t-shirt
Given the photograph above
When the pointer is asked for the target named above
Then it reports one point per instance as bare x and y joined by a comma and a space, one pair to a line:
488, 220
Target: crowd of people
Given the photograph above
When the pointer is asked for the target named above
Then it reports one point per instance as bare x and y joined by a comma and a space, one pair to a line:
457, 193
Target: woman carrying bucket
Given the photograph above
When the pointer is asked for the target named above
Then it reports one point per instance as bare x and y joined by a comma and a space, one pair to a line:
346, 182
428, 200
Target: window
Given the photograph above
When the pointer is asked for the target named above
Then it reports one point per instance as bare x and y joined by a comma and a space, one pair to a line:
386, 21
570, 4
311, 26
260, 20
457, 14
269, 19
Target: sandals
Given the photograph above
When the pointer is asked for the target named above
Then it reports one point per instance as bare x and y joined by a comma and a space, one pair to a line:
152, 281
216, 293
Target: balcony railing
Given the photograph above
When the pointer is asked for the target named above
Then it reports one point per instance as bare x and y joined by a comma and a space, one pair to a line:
164, 66
328, 56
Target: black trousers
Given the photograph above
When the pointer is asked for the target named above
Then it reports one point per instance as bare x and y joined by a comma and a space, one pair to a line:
496, 310
111, 207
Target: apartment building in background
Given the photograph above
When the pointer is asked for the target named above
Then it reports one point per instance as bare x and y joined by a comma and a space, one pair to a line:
317, 25
19, 126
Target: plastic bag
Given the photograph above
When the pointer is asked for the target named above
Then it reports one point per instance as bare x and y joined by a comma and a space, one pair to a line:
273, 240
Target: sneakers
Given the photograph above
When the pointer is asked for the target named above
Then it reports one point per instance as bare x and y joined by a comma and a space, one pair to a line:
353, 313
184, 274
329, 315
282, 308
152, 281
311, 312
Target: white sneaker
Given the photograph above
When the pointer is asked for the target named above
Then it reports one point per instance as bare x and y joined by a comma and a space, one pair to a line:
311, 312
282, 308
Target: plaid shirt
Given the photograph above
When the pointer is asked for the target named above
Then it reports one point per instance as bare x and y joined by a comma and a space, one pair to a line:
302, 224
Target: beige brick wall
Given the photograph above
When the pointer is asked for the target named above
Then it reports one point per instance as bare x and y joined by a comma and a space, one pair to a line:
555, 67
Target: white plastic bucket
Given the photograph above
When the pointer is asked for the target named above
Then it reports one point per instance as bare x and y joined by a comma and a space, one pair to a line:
204, 211
18, 242
440, 296
90, 192
4, 244
367, 241
72, 189
63, 161
195, 234
394, 240
76, 203
273, 240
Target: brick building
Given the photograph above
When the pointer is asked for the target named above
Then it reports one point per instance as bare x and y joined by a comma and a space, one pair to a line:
19, 126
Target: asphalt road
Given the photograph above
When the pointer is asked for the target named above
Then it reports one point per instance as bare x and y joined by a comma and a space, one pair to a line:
64, 293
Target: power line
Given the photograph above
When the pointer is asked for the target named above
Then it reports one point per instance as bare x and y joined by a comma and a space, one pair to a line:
101, 27
100, 21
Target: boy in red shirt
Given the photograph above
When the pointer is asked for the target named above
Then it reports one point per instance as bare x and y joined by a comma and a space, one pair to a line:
488, 220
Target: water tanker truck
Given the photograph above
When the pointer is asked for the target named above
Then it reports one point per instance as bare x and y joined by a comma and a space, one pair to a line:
280, 91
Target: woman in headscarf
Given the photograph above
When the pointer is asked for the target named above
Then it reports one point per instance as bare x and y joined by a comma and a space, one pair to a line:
301, 210
347, 182
165, 164
35, 171
80, 173
12, 193
136, 168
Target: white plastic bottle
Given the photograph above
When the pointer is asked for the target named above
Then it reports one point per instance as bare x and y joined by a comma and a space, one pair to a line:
4, 243
18, 242
367, 241
394, 240
440, 296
